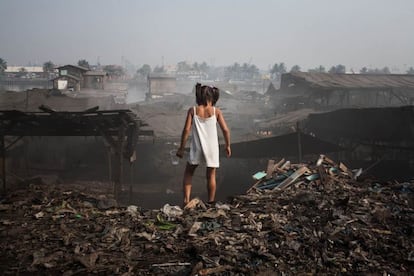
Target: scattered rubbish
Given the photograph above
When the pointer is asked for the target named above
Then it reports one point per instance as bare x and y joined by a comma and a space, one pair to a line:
259, 175
132, 210
171, 264
357, 173
39, 215
172, 212
107, 203
194, 228
163, 224
195, 202
222, 206
310, 218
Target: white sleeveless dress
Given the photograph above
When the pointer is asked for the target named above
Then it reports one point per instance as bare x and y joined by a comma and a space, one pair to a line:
204, 143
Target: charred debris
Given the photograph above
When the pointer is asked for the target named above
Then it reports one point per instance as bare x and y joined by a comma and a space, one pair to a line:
319, 217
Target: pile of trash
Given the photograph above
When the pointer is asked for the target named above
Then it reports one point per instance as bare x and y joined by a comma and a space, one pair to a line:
319, 217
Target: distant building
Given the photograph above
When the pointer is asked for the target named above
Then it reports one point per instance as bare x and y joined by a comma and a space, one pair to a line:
95, 79
31, 69
26, 72
160, 85
325, 90
75, 78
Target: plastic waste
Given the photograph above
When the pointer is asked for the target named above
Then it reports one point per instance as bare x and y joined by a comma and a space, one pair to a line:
259, 175
312, 177
357, 173
132, 210
172, 211
39, 215
164, 225
174, 158
222, 206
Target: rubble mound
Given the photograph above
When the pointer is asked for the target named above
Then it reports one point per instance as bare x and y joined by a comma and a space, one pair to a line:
315, 218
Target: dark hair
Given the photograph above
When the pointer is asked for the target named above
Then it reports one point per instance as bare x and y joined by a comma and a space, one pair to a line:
216, 94
205, 93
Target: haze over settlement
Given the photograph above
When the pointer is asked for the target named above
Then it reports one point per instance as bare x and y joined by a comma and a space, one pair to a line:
357, 34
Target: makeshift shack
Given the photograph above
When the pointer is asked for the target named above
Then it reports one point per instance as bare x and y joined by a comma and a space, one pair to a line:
325, 90
121, 130
294, 144
370, 134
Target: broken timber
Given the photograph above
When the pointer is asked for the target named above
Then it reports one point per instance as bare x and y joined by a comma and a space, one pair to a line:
119, 128
292, 178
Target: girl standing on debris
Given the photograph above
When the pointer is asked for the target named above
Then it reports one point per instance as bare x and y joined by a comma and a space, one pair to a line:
202, 122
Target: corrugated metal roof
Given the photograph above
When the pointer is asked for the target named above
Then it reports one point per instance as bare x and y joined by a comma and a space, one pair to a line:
74, 66
349, 81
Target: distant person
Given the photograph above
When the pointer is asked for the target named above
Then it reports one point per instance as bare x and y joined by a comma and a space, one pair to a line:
202, 121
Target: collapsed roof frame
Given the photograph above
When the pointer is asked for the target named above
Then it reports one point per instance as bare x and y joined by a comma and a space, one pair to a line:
120, 129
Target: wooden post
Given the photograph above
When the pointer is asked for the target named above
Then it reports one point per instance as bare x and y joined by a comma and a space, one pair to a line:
3, 163
119, 162
109, 151
131, 168
27, 101
299, 142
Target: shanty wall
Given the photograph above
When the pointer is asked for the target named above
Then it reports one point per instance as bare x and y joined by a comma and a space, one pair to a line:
160, 86
370, 135
94, 82
71, 83
17, 85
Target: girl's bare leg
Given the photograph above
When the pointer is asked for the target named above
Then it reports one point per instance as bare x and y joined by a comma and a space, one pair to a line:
187, 180
211, 183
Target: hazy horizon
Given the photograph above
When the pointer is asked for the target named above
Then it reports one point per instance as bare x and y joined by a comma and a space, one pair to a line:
308, 33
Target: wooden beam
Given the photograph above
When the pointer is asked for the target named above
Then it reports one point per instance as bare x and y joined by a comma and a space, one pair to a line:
119, 162
299, 142
12, 143
291, 179
3, 162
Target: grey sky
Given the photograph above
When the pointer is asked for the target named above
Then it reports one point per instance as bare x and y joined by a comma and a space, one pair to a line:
355, 33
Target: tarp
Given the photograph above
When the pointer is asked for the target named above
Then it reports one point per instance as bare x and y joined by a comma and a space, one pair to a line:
388, 124
282, 146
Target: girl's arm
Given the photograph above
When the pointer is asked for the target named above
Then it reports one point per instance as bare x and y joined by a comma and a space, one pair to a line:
225, 130
185, 133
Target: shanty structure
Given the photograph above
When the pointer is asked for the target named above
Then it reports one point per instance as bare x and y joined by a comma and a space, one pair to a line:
271, 90
370, 134
160, 85
120, 129
79, 77
346, 90
291, 144
385, 126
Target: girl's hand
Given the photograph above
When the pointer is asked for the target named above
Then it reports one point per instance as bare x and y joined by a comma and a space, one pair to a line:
228, 151
180, 153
